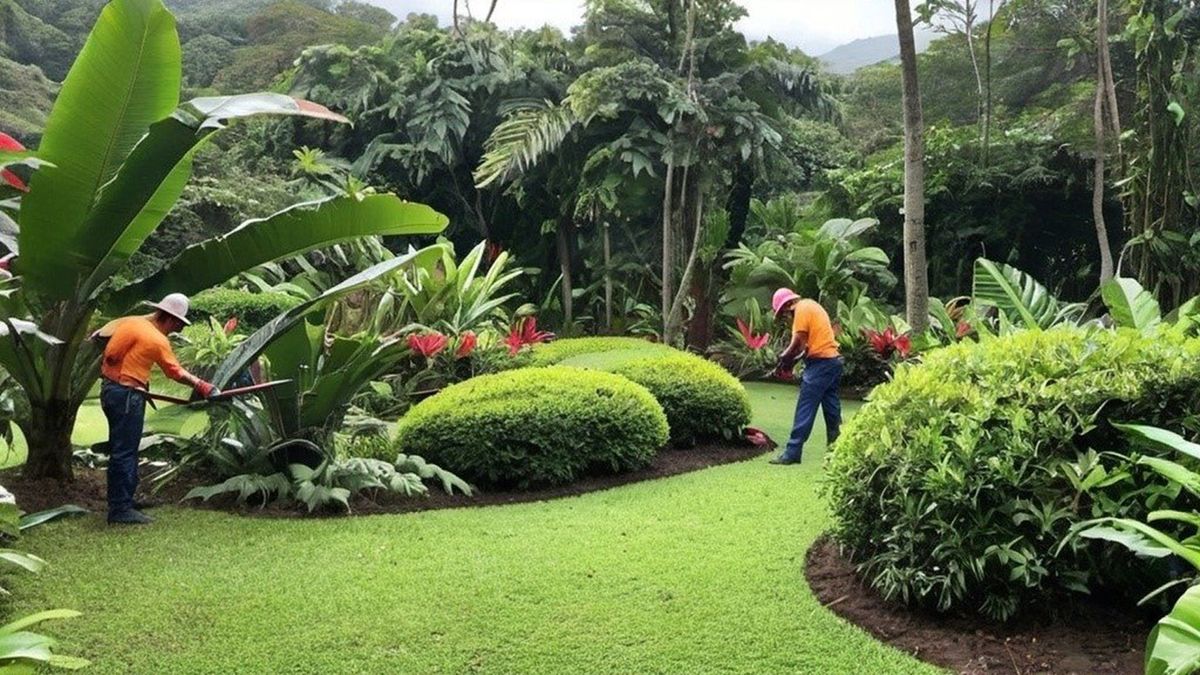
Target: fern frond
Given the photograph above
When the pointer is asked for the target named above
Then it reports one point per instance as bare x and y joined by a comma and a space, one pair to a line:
519, 142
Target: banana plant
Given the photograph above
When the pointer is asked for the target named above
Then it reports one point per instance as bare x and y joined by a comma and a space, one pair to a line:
115, 155
1020, 298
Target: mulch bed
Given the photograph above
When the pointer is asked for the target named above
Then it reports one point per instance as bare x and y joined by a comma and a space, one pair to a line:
1086, 637
88, 488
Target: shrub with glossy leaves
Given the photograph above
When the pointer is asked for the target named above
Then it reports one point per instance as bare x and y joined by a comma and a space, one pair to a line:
536, 426
701, 399
552, 353
954, 486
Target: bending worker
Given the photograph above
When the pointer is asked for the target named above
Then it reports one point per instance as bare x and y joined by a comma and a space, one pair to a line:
814, 341
135, 343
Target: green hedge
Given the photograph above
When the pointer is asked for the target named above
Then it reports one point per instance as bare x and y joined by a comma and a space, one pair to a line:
956, 483
253, 310
553, 353
536, 426
701, 399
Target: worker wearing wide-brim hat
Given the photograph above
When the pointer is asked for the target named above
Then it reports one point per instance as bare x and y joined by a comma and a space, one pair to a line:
134, 345
814, 341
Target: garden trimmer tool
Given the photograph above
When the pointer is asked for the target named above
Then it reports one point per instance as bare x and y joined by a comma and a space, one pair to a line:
227, 395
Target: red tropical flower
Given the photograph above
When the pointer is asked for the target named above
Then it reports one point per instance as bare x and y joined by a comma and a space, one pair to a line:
231, 325
525, 332
962, 330
466, 345
9, 143
428, 345
889, 342
754, 342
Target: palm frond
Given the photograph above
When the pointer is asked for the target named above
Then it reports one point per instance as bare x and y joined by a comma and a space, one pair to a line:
523, 139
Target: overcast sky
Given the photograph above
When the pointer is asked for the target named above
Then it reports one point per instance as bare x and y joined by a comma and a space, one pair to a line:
816, 26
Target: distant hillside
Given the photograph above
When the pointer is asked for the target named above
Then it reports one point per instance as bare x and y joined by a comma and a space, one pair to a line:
851, 56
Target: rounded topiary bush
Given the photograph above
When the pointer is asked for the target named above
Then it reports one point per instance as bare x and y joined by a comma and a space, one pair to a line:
701, 399
253, 310
536, 426
954, 486
552, 353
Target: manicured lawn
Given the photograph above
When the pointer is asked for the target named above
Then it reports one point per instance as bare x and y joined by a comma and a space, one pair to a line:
697, 573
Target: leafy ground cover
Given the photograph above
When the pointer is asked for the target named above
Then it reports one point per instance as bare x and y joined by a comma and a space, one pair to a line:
697, 573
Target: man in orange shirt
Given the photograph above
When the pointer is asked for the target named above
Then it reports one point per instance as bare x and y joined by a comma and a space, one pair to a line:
814, 341
134, 345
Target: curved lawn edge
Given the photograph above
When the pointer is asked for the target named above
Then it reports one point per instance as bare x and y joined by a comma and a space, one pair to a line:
1088, 637
88, 488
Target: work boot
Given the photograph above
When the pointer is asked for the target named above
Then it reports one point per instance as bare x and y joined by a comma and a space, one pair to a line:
129, 517
784, 462
146, 503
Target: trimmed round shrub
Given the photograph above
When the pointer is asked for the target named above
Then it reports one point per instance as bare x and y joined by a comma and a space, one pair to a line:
701, 399
536, 427
552, 353
253, 310
954, 487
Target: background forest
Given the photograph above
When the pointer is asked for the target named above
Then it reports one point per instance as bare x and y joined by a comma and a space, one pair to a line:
557, 148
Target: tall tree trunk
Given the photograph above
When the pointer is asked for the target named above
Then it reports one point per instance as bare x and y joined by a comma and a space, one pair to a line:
969, 31
608, 280
564, 265
674, 323
738, 204
48, 437
916, 273
987, 84
668, 268
1106, 258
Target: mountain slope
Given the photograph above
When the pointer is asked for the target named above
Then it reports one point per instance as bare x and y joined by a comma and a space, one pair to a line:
851, 56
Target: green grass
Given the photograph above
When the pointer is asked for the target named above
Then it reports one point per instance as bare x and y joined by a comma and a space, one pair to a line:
693, 574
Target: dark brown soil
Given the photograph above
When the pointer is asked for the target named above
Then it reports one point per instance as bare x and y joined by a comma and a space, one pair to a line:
88, 489
1089, 638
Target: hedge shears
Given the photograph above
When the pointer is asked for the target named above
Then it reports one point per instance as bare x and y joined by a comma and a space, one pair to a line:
225, 395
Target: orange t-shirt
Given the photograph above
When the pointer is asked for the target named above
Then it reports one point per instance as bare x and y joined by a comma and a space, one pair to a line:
812, 320
134, 346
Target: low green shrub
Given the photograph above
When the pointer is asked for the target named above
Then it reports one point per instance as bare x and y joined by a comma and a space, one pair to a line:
252, 310
536, 426
701, 399
553, 353
955, 484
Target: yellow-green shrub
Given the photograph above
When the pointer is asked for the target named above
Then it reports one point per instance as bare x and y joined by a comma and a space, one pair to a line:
955, 485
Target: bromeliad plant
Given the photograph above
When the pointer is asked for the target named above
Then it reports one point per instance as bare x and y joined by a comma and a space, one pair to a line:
748, 351
116, 153
285, 449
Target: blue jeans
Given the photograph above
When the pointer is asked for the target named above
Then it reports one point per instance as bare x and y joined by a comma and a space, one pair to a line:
125, 409
818, 387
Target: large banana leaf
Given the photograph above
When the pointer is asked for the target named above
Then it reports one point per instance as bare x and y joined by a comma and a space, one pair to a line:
126, 78
1173, 647
1018, 295
151, 180
1131, 305
248, 351
287, 233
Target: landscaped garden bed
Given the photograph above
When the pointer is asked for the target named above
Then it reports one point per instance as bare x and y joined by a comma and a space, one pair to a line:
1084, 636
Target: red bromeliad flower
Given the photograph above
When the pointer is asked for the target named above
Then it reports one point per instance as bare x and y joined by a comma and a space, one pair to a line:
231, 325
754, 342
525, 332
428, 345
888, 342
962, 330
466, 345
9, 143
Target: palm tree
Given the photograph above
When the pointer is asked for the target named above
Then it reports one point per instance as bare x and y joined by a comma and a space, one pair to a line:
916, 274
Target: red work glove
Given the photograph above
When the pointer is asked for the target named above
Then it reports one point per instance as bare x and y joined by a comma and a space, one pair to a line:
207, 390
